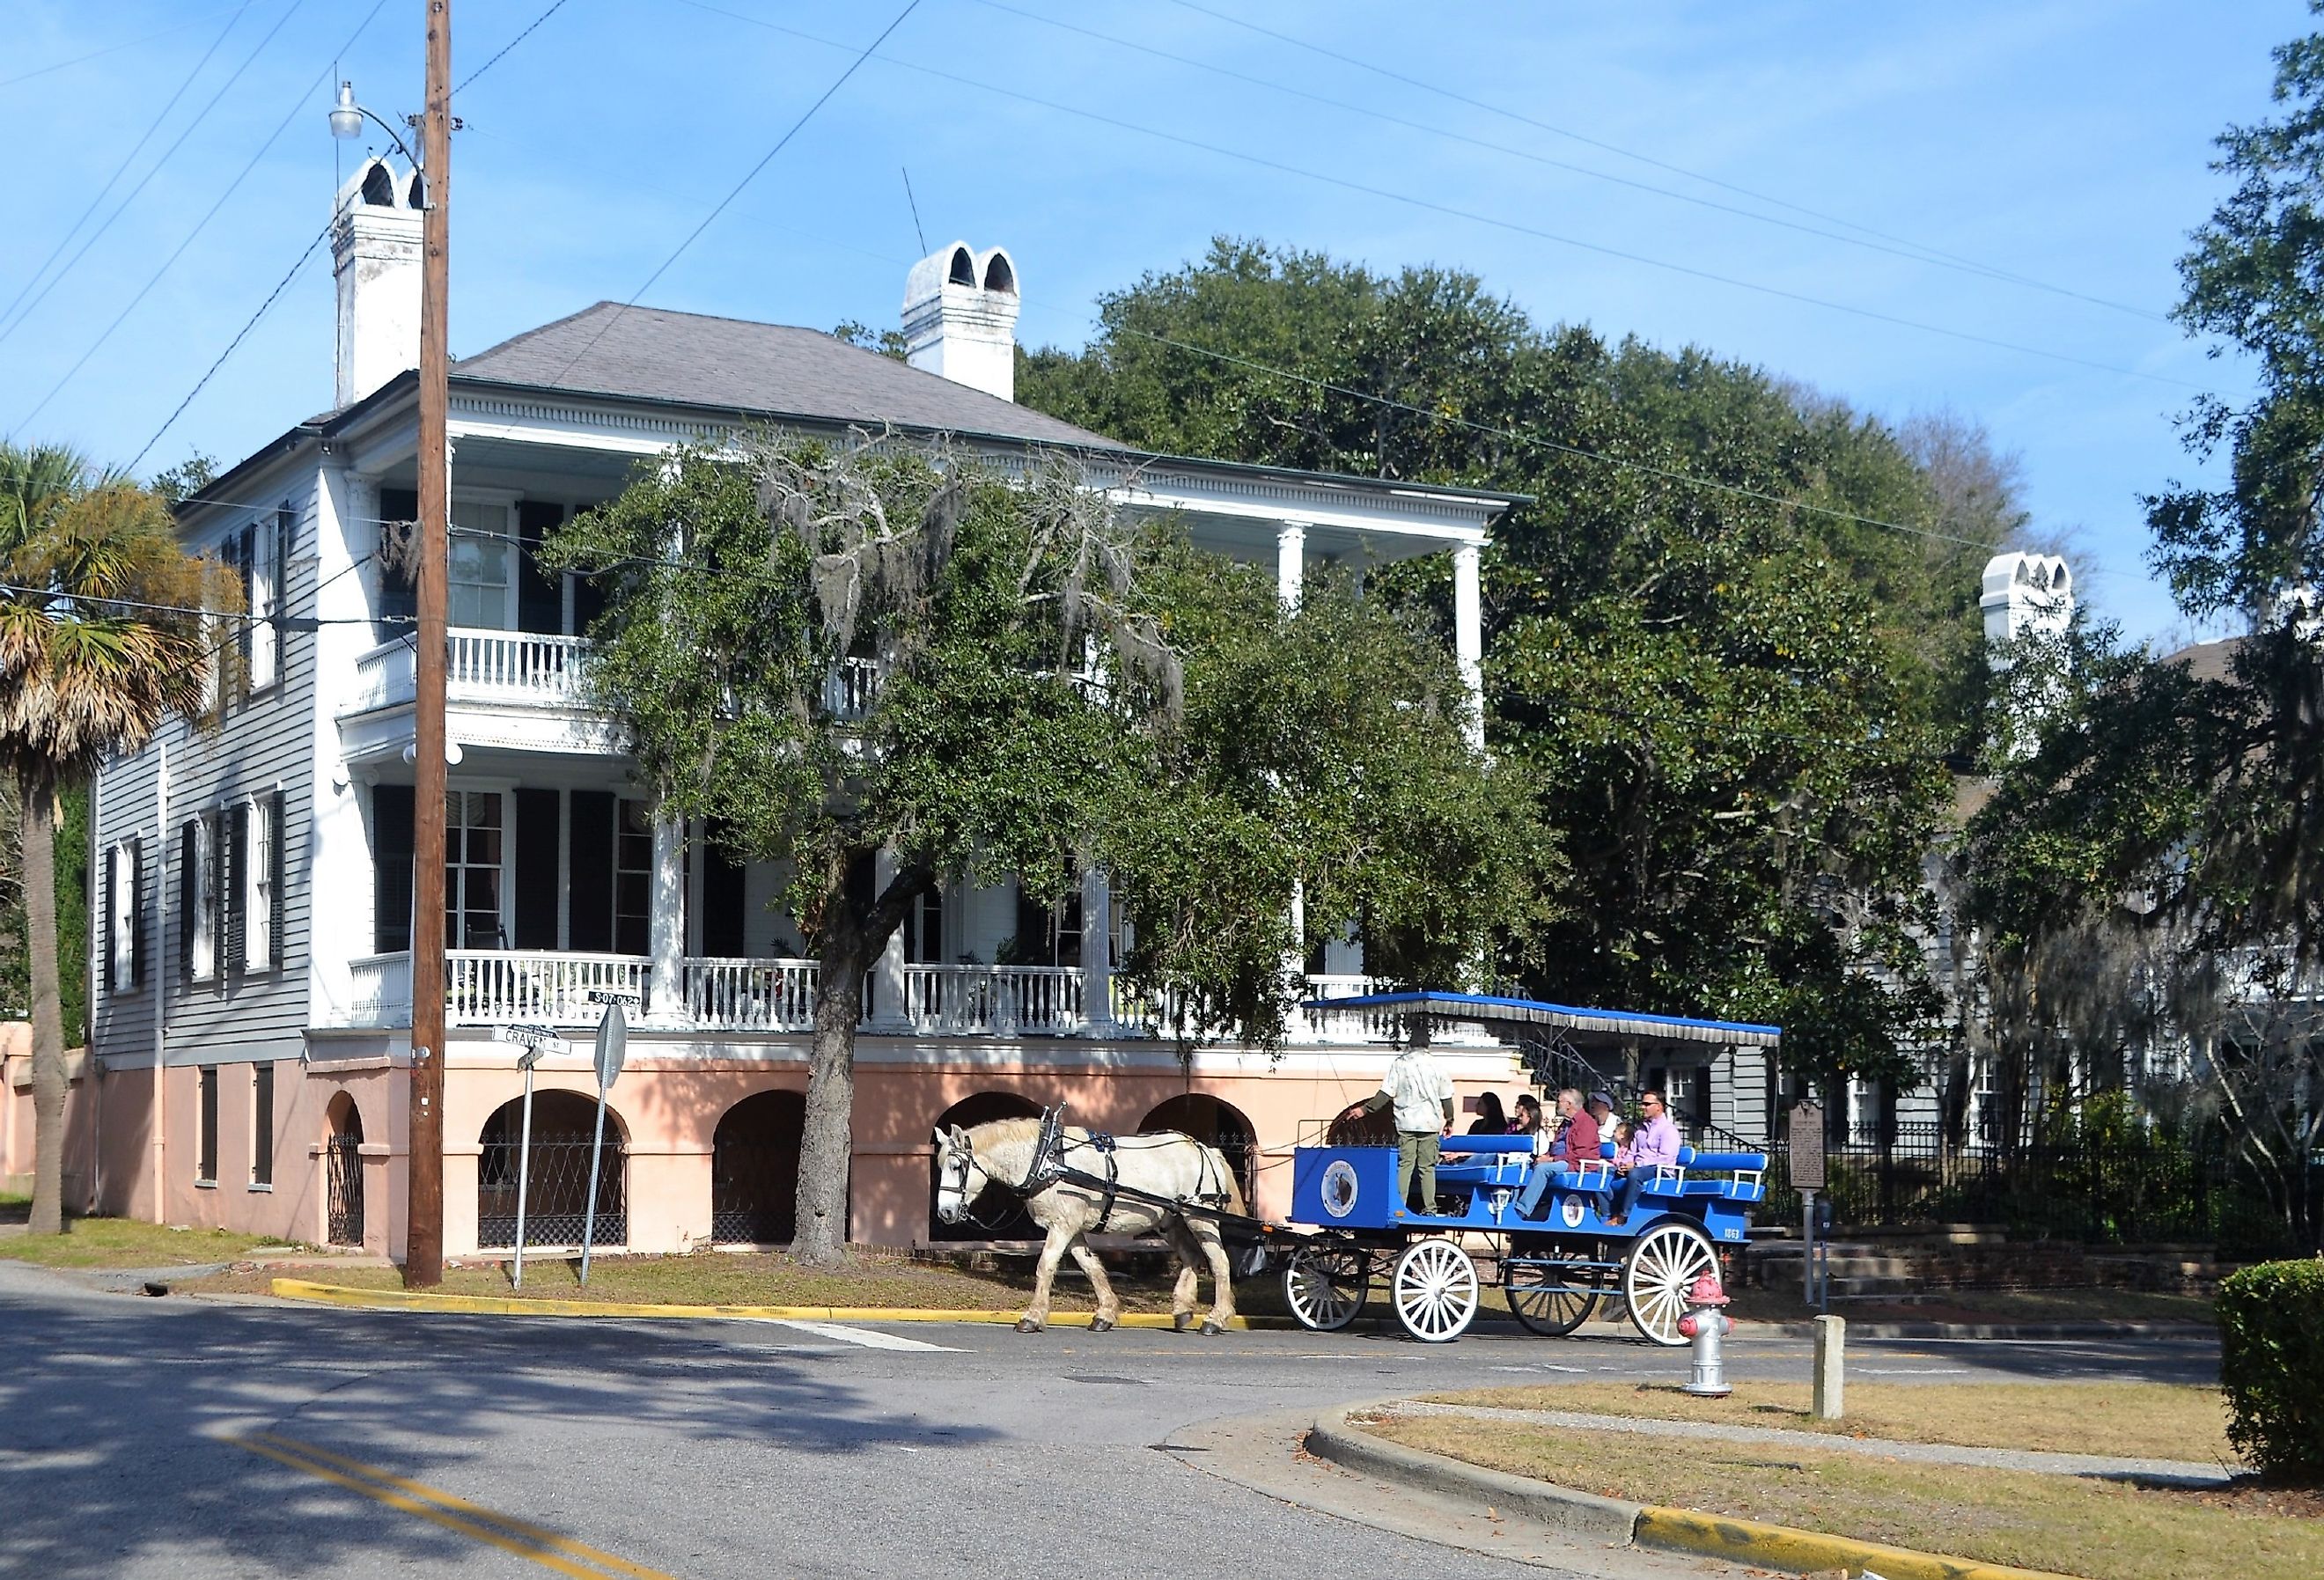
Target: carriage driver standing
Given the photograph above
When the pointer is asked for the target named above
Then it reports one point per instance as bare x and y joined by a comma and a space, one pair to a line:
1421, 1096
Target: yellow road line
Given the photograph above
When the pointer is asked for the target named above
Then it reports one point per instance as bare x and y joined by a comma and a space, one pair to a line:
526, 1541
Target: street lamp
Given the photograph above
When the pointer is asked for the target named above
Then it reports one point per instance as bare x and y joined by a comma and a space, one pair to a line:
348, 117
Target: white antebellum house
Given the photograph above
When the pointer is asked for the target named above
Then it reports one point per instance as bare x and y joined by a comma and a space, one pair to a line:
254, 885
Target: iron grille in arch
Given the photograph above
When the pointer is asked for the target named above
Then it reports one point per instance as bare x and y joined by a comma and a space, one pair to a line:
557, 1194
343, 1168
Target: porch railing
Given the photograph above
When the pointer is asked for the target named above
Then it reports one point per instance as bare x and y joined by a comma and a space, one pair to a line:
489, 987
480, 666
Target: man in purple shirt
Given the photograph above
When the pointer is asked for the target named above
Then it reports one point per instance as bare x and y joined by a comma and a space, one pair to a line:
1656, 1146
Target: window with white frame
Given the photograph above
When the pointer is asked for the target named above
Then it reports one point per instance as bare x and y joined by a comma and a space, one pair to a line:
199, 891
262, 558
125, 917
482, 590
258, 896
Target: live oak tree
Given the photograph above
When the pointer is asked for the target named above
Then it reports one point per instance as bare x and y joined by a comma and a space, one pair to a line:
100, 640
881, 667
1731, 682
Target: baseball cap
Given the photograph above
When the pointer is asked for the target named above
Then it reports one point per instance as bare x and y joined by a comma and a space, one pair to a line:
1602, 1096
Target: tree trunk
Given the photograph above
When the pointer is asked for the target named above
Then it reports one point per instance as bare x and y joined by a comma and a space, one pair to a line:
40, 869
827, 1140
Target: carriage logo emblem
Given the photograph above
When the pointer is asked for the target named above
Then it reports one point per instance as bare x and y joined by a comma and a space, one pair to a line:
1571, 1209
1340, 1187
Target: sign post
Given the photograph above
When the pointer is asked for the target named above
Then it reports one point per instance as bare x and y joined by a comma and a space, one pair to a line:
1807, 1176
537, 1041
612, 1049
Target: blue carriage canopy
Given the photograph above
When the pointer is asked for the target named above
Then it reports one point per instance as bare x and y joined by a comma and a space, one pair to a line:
1490, 1008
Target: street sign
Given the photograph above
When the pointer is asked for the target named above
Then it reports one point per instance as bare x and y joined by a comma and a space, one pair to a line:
612, 1045
1807, 1146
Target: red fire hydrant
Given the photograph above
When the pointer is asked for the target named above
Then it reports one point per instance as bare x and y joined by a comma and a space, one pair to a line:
1706, 1325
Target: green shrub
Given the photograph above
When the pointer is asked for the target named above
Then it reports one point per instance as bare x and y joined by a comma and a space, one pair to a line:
2272, 1366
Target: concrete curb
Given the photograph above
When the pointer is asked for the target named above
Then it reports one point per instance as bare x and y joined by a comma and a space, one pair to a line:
1681, 1531
517, 1306
1582, 1514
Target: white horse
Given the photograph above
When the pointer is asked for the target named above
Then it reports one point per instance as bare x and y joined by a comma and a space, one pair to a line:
1165, 1164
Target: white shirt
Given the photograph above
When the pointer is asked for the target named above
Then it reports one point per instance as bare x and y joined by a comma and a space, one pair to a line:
1420, 1090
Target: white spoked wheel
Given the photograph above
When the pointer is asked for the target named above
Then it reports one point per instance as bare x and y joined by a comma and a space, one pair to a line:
1325, 1286
1436, 1291
1660, 1270
1551, 1291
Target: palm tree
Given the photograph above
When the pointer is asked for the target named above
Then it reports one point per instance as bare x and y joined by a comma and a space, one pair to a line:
101, 639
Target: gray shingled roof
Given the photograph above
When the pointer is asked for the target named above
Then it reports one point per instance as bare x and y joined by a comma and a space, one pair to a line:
731, 363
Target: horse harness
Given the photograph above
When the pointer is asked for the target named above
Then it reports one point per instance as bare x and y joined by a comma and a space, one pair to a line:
1047, 1167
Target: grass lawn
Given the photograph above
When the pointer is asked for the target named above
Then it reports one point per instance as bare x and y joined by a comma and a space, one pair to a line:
718, 1278
103, 1242
2103, 1530
2130, 1420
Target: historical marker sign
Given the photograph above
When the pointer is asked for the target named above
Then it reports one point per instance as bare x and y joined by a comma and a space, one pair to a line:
1807, 1146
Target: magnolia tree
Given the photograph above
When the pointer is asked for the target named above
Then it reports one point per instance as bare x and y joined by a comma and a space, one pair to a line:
881, 667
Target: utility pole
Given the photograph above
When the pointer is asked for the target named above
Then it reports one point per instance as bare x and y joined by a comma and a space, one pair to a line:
423, 1246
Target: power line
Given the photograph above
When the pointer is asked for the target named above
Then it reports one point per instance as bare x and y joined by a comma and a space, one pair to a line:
495, 59
178, 26
126, 161
284, 282
1913, 252
239, 334
1432, 206
1600, 144
749, 176
145, 179
232, 187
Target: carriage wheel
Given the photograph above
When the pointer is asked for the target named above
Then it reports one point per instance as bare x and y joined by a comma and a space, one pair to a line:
1541, 1292
1325, 1287
1436, 1291
1660, 1270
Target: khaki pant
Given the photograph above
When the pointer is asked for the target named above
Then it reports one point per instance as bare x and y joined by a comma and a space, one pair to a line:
1415, 1153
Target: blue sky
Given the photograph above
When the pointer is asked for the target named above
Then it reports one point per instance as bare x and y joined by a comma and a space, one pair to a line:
2065, 142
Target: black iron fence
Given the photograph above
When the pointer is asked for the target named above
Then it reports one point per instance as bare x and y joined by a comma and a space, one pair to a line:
556, 1192
2119, 1189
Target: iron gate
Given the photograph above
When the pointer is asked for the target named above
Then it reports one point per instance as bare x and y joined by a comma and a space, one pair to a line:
557, 1193
753, 1192
344, 1195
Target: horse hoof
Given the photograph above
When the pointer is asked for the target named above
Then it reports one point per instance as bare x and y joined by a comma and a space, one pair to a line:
1099, 1325
1179, 1321
1027, 1325
1214, 1328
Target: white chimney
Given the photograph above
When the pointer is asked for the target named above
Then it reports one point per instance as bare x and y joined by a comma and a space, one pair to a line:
2027, 593
960, 318
375, 261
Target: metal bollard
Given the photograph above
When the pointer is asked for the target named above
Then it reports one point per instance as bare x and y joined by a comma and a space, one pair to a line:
1707, 1324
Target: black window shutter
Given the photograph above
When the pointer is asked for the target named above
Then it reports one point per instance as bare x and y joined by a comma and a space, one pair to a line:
590, 871
136, 913
539, 599
274, 865
391, 844
536, 869
244, 563
236, 895
189, 879
398, 595
112, 913
286, 526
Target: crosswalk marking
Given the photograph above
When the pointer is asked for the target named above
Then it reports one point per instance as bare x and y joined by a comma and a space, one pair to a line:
869, 1338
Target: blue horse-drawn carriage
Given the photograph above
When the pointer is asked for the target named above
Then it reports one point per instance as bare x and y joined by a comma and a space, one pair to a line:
1553, 1265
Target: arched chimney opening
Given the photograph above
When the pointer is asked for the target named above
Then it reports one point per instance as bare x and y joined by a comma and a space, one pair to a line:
963, 268
379, 186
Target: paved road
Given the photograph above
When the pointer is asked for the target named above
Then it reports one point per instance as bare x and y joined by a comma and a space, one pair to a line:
127, 1428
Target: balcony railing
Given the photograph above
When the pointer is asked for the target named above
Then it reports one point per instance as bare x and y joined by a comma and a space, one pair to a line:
480, 666
491, 987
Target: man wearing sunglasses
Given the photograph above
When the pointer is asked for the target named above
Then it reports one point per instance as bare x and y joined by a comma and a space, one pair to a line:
1656, 1147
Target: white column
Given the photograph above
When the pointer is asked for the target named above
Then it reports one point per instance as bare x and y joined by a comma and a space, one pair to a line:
1097, 953
665, 925
1469, 633
1290, 562
888, 971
